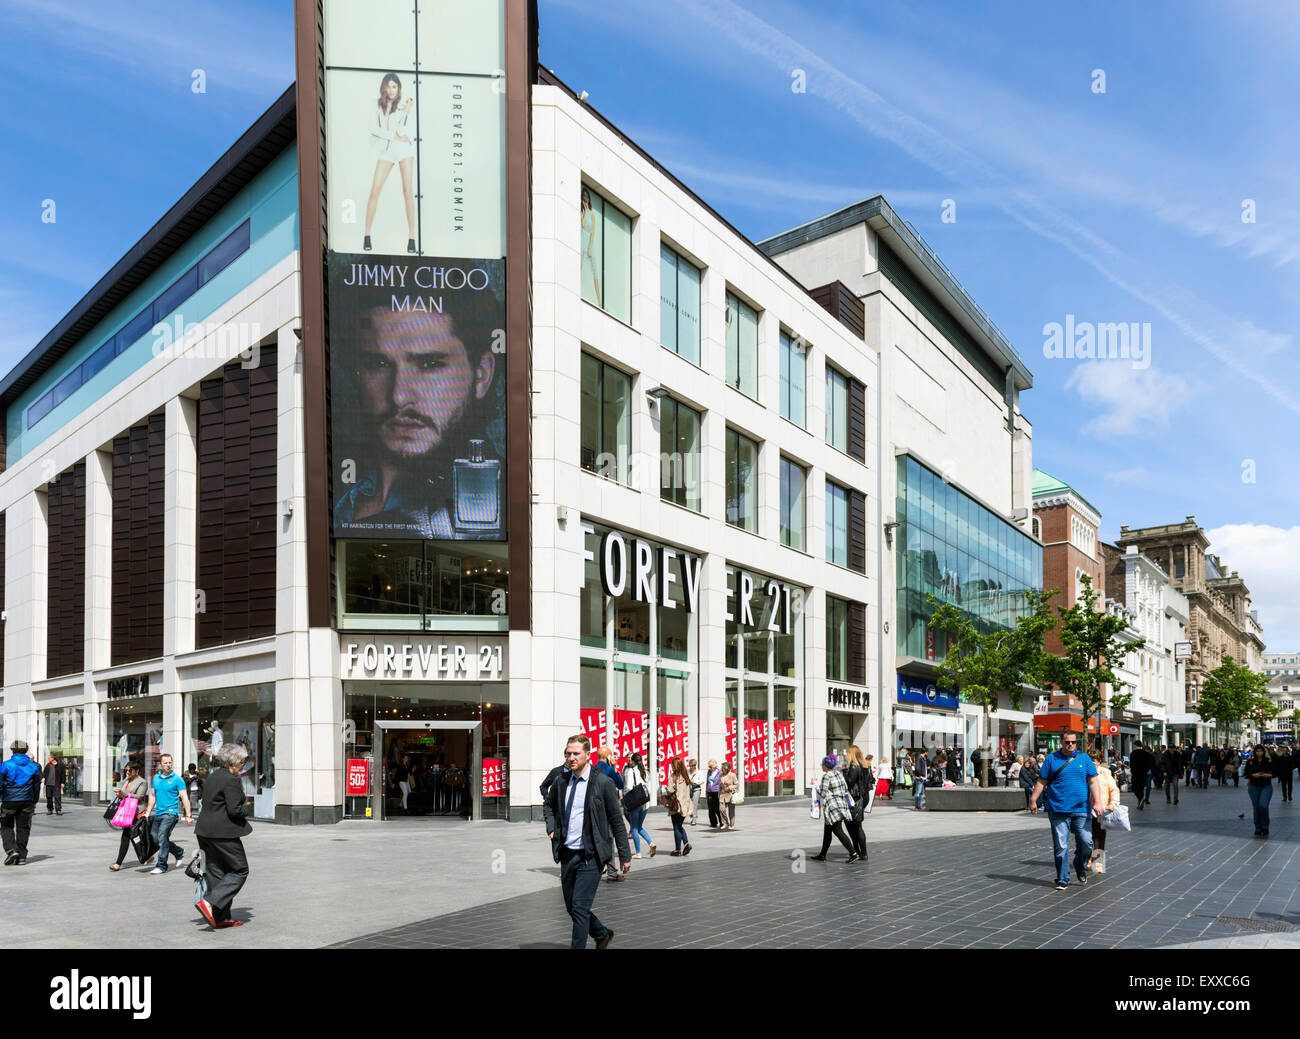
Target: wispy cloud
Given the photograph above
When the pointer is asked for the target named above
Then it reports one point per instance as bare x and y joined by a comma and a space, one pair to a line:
151, 40
1268, 558
1123, 401
916, 138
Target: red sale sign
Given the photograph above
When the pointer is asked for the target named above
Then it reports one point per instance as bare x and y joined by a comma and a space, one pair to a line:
783, 749
492, 777
358, 777
673, 739
631, 735
592, 721
756, 736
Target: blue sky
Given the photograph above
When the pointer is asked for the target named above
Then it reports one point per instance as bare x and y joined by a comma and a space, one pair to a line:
1123, 206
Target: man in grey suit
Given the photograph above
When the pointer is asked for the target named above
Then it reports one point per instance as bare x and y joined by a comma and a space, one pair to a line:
584, 821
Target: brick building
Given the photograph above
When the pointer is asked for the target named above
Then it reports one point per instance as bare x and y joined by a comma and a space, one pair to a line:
1068, 526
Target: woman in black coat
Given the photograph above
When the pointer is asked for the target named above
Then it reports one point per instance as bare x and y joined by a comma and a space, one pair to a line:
858, 778
223, 821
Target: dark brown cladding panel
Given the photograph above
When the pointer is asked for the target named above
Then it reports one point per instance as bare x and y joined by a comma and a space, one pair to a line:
235, 562
838, 300
858, 420
139, 479
857, 521
65, 644
857, 643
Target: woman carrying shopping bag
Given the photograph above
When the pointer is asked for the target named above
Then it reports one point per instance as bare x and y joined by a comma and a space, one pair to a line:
728, 786
832, 795
133, 788
1109, 802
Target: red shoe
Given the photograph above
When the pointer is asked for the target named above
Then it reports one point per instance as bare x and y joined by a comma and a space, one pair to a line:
203, 907
229, 923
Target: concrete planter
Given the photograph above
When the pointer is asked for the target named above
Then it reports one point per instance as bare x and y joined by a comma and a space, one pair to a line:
974, 799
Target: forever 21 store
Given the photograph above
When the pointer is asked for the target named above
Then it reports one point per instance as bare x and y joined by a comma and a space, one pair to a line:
633, 495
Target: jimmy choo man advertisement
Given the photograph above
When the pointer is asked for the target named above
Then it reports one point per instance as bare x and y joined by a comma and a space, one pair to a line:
417, 390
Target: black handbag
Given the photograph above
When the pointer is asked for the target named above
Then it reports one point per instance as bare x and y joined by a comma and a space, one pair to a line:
111, 810
635, 798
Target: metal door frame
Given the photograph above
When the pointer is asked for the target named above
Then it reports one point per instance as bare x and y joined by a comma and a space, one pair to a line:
475, 769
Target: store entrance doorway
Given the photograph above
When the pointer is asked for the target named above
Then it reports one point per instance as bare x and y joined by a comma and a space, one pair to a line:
429, 770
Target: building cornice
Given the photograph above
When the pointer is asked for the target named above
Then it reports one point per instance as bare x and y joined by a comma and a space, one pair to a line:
1080, 506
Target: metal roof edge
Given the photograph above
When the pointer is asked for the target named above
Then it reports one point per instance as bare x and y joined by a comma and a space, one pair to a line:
881, 217
138, 263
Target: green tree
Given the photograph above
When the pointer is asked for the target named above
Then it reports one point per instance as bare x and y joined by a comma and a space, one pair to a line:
1262, 709
983, 665
1231, 693
1090, 639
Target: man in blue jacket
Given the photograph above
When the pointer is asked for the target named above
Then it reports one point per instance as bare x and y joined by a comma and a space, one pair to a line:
20, 788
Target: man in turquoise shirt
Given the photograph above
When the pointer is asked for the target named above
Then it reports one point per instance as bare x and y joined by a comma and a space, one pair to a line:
166, 796
1072, 783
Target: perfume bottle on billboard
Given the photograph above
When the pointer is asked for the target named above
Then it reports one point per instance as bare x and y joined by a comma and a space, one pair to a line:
477, 489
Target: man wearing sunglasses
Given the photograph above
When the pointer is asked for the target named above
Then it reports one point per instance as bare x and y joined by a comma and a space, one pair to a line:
1073, 792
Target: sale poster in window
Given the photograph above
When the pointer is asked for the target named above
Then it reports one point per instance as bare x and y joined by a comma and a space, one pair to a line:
756, 740
631, 735
592, 721
783, 750
492, 777
672, 736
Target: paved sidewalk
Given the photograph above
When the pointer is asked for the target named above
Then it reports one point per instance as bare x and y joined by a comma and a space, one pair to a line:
1190, 874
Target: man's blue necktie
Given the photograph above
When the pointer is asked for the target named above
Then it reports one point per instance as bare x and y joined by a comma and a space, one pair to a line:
568, 804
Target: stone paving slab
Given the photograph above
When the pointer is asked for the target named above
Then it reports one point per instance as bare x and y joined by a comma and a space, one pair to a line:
422, 883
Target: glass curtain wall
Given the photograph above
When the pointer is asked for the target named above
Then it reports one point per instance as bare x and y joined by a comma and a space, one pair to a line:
955, 549
63, 732
638, 689
419, 585
768, 666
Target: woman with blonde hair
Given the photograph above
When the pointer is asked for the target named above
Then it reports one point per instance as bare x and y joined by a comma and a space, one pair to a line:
857, 777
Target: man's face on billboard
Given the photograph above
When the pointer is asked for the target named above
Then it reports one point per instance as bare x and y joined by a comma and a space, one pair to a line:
417, 381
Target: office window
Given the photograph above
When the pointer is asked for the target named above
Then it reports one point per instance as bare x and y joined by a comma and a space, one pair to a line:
837, 524
177, 293
224, 253
679, 305
606, 256
846, 645
793, 479
742, 346
837, 410
679, 453
742, 481
794, 364
606, 419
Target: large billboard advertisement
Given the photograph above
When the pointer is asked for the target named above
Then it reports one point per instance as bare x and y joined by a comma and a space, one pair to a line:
415, 174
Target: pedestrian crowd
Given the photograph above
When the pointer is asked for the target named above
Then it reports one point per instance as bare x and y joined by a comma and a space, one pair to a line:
146, 815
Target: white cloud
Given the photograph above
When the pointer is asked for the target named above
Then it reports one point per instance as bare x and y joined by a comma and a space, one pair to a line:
1268, 559
1137, 475
1124, 400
